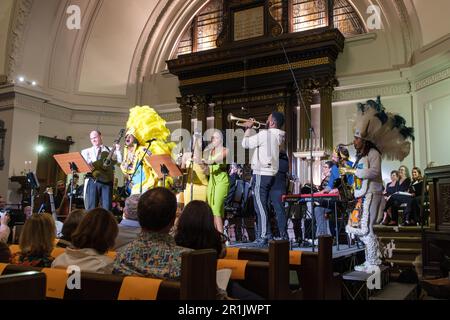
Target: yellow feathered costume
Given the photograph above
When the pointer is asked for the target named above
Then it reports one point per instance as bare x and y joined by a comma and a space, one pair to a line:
144, 123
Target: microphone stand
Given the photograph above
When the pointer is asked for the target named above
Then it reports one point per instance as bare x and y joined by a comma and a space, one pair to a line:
191, 166
300, 101
74, 169
139, 164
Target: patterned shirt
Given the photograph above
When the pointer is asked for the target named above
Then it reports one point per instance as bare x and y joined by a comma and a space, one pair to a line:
28, 260
153, 255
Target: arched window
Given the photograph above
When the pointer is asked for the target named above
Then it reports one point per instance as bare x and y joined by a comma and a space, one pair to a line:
203, 30
311, 14
305, 15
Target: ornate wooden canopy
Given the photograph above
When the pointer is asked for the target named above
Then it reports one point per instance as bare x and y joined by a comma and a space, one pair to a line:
257, 71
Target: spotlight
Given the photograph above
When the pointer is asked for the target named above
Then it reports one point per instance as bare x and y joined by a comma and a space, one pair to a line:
21, 79
39, 148
33, 83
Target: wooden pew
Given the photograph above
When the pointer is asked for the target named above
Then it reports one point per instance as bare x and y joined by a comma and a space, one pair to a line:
267, 277
28, 285
198, 281
314, 269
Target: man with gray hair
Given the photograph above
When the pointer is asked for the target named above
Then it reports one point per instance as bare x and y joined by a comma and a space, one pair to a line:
129, 227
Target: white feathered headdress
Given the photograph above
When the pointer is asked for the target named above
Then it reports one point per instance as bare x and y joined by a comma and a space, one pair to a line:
387, 131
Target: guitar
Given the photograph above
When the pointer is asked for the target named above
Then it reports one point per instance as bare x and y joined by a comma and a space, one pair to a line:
58, 224
103, 168
49, 191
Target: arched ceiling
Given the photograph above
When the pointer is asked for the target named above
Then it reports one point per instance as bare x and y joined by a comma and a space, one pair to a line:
121, 48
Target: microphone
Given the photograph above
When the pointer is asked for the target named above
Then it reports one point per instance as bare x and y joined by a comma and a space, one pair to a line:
197, 134
151, 140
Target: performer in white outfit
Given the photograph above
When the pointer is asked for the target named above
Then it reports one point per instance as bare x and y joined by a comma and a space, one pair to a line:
98, 188
377, 134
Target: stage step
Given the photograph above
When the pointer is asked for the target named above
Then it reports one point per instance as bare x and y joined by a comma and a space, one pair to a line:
396, 263
406, 254
402, 242
387, 231
396, 291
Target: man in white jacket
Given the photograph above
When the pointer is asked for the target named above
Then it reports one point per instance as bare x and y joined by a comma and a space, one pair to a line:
264, 162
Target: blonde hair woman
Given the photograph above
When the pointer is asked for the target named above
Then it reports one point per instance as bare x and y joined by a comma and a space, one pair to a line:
37, 241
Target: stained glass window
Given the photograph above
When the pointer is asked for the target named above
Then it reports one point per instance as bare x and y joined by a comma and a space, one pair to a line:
311, 14
306, 15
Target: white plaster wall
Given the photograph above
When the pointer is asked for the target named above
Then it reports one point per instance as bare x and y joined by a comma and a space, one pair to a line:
433, 114
24, 140
433, 16
7, 117
38, 41
6, 7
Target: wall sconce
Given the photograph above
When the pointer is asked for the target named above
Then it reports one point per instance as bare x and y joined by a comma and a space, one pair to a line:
23, 80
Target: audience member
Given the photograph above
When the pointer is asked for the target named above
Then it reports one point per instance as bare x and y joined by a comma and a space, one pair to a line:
154, 253
36, 242
412, 210
389, 190
70, 225
94, 236
195, 230
5, 253
27, 211
129, 228
397, 198
404, 181
4, 228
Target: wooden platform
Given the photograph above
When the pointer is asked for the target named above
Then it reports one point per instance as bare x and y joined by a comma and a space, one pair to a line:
397, 291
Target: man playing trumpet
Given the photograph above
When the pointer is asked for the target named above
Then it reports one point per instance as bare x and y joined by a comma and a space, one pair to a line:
265, 163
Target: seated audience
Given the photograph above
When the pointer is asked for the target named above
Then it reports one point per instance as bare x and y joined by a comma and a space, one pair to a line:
195, 230
412, 211
27, 212
129, 227
397, 199
94, 236
36, 242
154, 253
5, 253
4, 228
70, 225
4, 220
389, 190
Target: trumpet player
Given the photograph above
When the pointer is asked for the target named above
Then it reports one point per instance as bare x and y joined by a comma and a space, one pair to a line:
264, 163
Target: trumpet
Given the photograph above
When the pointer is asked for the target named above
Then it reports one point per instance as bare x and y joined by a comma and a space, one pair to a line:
240, 121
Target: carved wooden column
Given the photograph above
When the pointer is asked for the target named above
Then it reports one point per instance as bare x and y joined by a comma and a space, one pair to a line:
218, 116
283, 108
305, 119
326, 115
330, 13
202, 112
186, 112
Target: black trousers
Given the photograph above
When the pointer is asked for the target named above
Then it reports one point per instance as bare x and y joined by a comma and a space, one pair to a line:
97, 192
261, 189
277, 190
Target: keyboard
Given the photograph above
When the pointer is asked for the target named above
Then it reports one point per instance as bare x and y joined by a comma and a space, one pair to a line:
322, 199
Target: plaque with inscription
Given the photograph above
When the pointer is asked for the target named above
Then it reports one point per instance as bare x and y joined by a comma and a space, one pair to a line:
249, 23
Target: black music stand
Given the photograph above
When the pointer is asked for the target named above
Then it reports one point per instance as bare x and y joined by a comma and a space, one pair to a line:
164, 167
34, 185
72, 163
